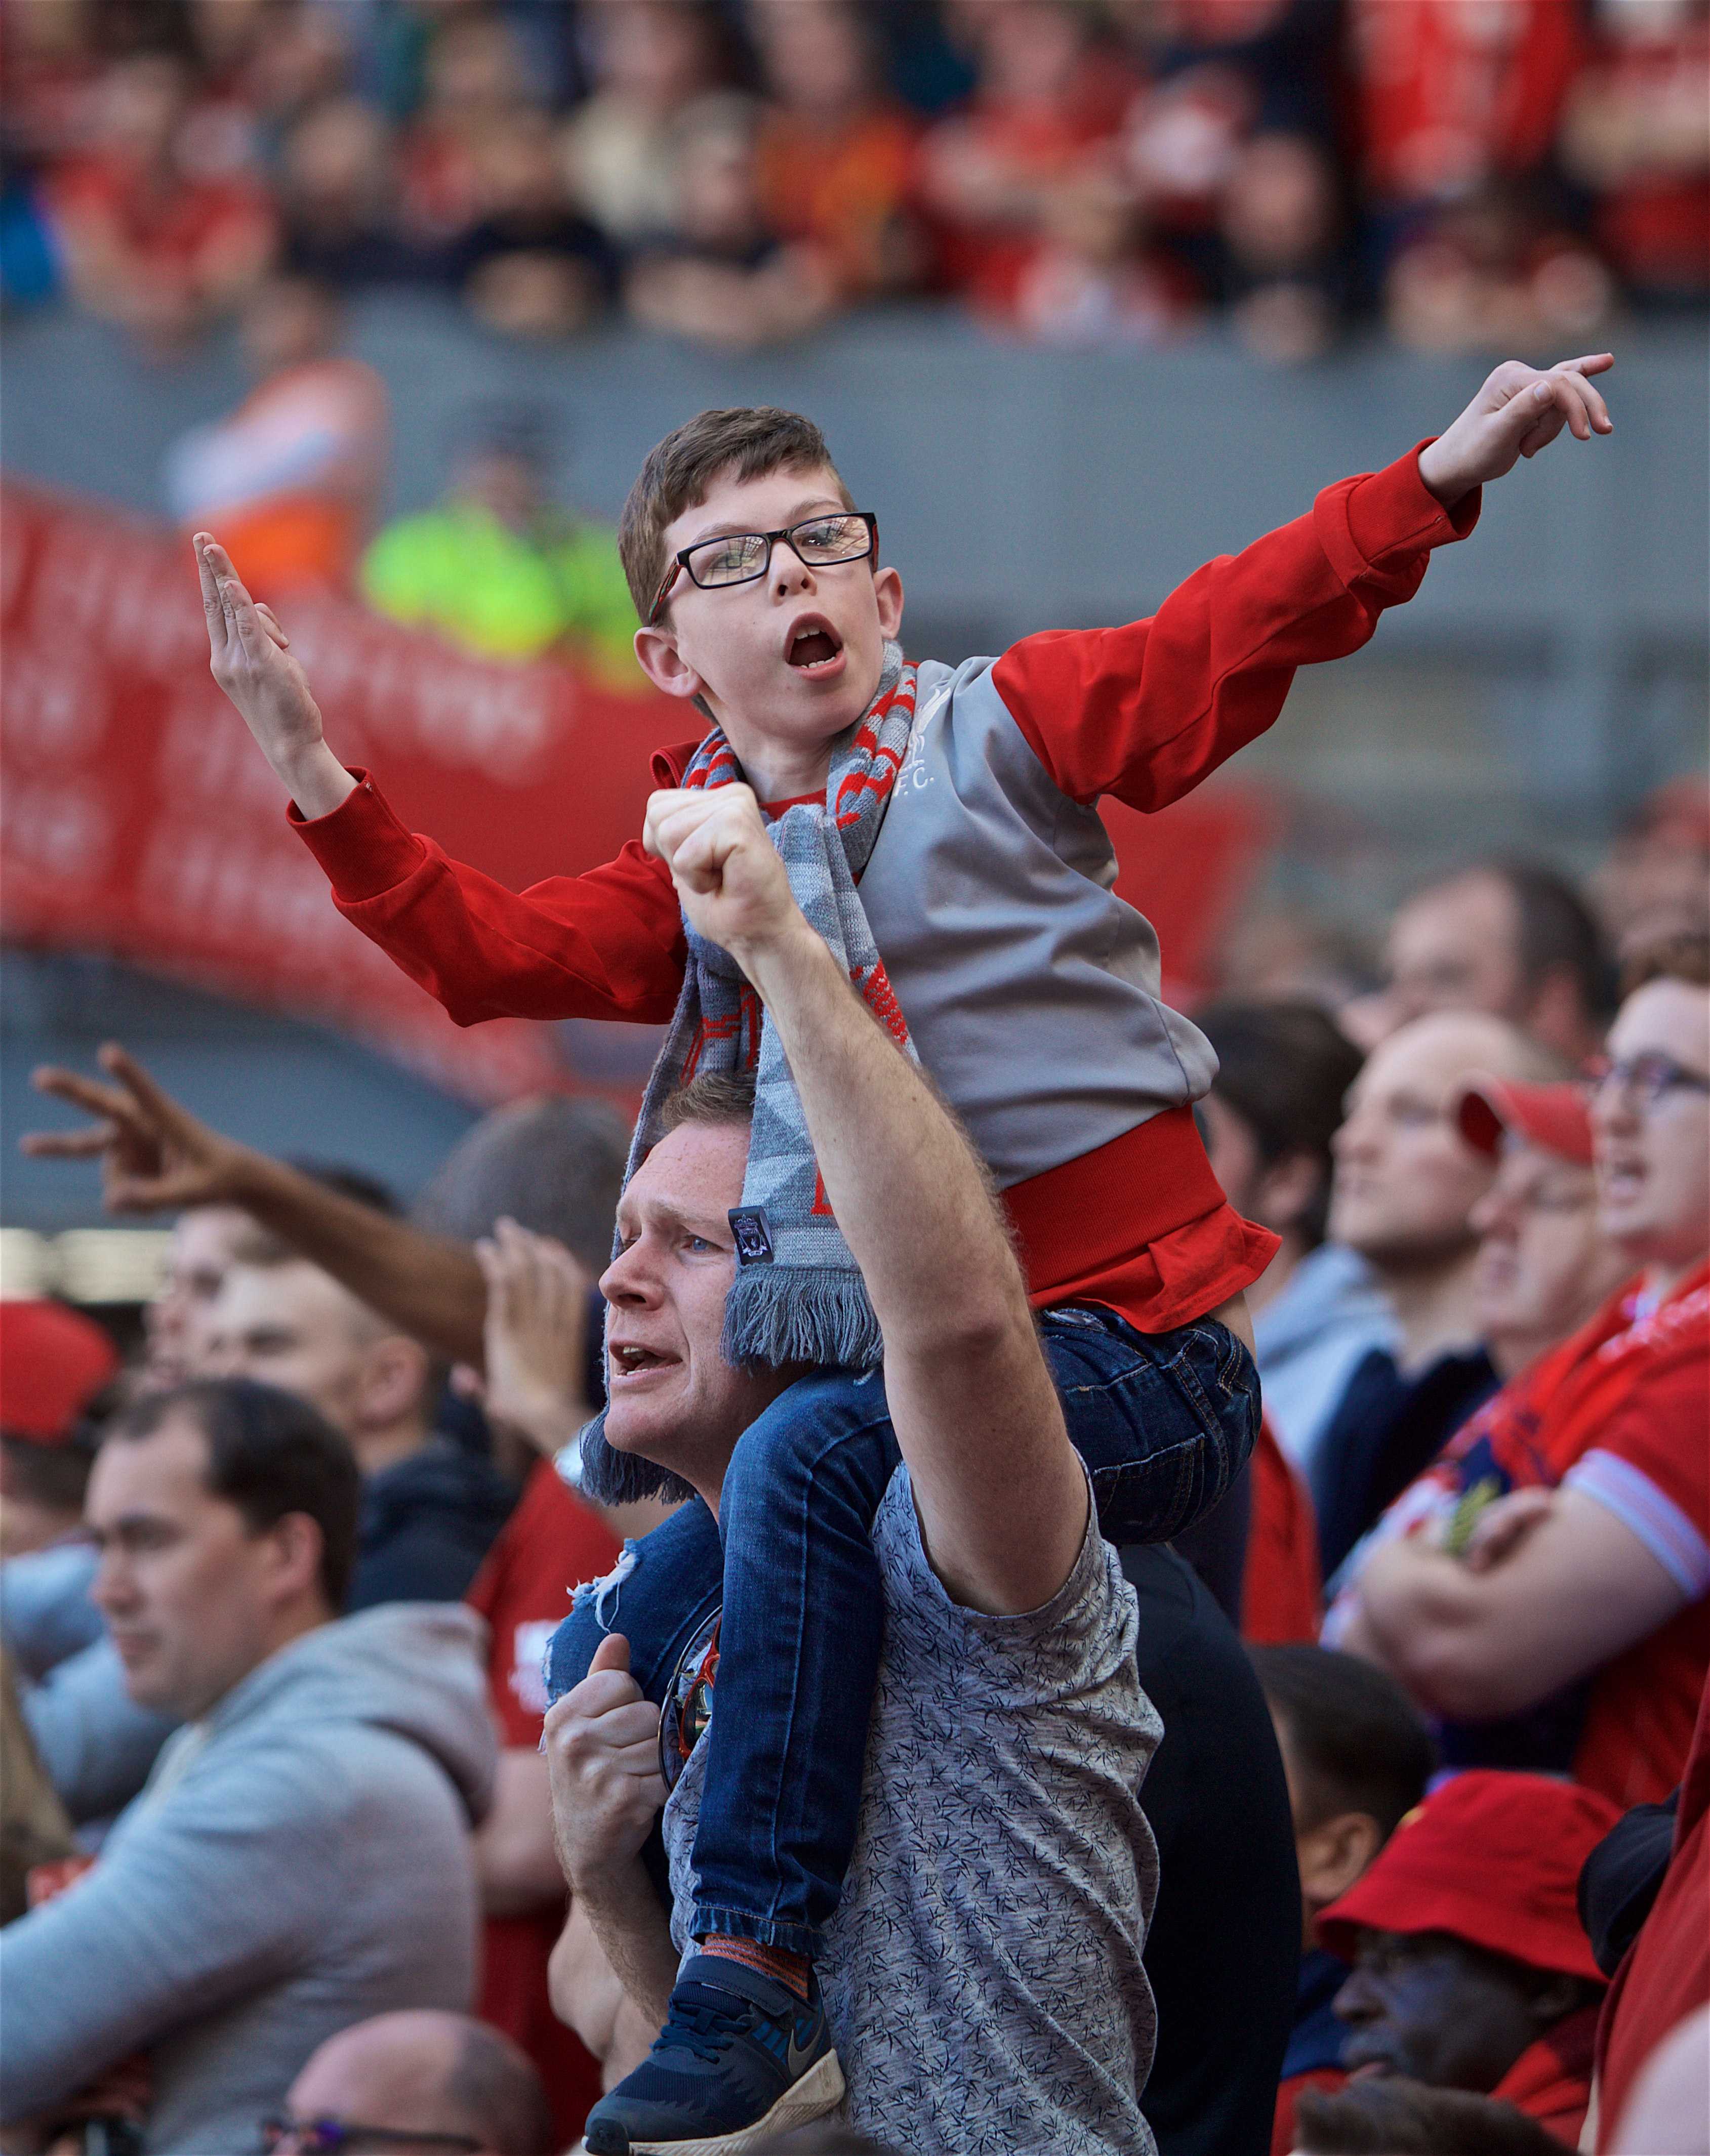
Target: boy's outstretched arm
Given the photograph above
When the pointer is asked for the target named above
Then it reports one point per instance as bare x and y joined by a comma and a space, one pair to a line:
1146, 710
605, 944
249, 655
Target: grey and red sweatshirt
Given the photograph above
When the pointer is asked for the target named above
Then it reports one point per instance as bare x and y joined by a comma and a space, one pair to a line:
1031, 991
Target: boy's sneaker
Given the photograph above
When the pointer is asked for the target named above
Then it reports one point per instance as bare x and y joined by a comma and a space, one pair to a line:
740, 2058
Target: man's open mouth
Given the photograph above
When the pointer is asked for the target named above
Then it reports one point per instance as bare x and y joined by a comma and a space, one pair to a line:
813, 646
627, 1362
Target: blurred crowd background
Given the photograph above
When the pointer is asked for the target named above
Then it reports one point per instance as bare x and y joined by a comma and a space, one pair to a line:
395, 294
1109, 173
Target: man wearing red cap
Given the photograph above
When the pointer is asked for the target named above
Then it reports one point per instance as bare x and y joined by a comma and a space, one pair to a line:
1472, 1970
94, 1743
1545, 1265
52, 1360
1541, 1589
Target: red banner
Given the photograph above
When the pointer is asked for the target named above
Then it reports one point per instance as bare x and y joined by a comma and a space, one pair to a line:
140, 818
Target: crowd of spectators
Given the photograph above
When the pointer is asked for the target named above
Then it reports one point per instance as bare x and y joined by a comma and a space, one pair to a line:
1476, 174
1483, 1344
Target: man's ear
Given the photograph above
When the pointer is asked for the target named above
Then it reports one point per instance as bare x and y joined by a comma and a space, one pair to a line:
394, 1381
296, 1544
1557, 1010
887, 590
1285, 1190
659, 659
1334, 1854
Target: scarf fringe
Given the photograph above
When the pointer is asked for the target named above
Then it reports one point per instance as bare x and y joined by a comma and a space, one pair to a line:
611, 1477
778, 1315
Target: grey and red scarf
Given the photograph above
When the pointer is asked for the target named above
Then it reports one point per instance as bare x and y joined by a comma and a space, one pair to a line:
797, 1297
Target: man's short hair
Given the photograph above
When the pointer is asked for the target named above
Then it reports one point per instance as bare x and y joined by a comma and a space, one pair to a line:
551, 1164
747, 441
715, 1100
1355, 1740
1554, 929
1284, 1068
269, 1453
1558, 931
1684, 958
1398, 2117
495, 2089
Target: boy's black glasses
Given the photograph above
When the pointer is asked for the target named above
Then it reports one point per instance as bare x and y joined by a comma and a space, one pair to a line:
341, 2137
739, 557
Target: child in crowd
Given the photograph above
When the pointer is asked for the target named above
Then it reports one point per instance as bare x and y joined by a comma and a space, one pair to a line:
940, 830
1358, 1757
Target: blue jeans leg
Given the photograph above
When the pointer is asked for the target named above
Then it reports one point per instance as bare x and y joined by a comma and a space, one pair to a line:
664, 1589
1165, 1421
798, 1659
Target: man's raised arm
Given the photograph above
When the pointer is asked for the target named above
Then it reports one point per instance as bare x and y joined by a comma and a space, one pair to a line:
1001, 1494
156, 1156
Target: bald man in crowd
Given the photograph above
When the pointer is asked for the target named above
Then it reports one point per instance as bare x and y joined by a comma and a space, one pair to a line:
1509, 937
430, 1507
1405, 1184
451, 2080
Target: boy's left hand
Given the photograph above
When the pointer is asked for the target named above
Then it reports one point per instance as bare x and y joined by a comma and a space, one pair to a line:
1519, 411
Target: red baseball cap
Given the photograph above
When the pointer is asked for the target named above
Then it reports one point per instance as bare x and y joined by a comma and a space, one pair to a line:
1552, 1117
52, 1360
1490, 1857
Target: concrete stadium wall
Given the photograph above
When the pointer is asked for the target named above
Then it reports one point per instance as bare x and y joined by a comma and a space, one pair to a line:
1021, 489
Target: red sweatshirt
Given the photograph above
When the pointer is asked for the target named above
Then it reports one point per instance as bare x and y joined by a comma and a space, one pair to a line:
1143, 712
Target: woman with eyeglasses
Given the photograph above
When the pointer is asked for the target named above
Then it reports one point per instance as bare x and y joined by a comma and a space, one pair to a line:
1541, 1591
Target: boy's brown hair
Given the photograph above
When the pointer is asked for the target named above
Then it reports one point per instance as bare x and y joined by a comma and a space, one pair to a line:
748, 441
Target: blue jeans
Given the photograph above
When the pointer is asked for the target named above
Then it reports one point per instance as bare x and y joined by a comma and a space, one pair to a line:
1165, 1421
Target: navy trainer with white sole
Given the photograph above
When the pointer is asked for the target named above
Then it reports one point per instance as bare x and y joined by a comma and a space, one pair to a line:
740, 2058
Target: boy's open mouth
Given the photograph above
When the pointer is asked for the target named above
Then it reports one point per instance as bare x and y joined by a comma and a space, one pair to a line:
813, 646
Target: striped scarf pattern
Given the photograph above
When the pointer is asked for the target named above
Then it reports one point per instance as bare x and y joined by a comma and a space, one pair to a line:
798, 1296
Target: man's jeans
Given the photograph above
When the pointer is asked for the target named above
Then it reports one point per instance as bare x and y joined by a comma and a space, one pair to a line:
1165, 1421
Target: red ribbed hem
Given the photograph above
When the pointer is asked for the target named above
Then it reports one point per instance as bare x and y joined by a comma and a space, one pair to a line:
1141, 1226
361, 844
1391, 514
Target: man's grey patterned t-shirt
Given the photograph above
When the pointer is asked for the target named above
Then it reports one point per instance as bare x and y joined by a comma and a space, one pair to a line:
982, 1976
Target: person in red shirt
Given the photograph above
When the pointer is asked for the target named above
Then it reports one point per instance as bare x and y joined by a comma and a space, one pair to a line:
763, 598
1665, 1975
536, 1331
1471, 1968
1543, 1588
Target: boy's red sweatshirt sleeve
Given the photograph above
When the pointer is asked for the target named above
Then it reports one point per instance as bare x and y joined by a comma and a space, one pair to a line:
1146, 712
609, 944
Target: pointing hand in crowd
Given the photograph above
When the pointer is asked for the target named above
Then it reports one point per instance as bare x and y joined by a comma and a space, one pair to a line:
250, 657
1519, 411
156, 1156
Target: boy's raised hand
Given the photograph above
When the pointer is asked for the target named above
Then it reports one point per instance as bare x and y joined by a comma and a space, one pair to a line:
249, 655
1519, 411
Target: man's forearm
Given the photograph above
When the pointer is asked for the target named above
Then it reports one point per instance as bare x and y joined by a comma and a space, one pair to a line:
427, 1285
635, 1935
888, 1151
1000, 1496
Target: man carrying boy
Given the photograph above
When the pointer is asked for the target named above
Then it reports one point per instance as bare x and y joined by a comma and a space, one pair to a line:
983, 1982
985, 933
